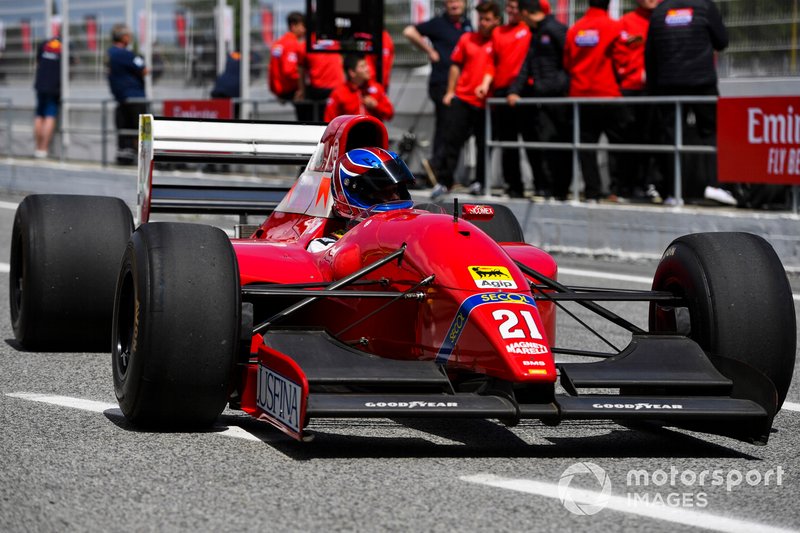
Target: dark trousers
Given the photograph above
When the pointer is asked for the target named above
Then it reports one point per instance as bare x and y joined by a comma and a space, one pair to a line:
552, 169
312, 108
463, 121
436, 93
506, 127
697, 170
633, 169
126, 117
613, 120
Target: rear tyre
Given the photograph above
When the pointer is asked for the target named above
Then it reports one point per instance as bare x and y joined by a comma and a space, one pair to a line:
176, 325
739, 301
65, 254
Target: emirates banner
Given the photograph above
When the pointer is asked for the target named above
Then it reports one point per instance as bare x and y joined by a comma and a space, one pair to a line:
758, 140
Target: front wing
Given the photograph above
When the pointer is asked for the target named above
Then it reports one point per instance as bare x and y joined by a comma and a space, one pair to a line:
299, 375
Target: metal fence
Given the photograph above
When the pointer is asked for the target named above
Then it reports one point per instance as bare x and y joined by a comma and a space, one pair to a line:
575, 146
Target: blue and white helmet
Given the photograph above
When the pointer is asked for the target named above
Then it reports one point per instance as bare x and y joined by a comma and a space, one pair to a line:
367, 178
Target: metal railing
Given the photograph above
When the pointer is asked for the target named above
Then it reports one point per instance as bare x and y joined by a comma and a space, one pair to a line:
6, 104
576, 146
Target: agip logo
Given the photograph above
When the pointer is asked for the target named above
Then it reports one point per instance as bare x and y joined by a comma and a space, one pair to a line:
492, 277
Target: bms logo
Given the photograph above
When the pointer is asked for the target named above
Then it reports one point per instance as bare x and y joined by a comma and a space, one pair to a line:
584, 501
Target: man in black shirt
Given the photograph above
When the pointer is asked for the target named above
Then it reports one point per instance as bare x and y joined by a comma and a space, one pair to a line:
545, 123
442, 34
680, 60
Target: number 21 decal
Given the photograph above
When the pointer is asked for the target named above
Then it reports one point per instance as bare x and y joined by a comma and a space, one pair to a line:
511, 328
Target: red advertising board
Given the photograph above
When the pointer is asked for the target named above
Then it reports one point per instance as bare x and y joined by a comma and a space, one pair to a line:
758, 140
217, 108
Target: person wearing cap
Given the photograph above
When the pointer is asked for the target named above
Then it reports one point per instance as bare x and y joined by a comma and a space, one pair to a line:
542, 75
48, 94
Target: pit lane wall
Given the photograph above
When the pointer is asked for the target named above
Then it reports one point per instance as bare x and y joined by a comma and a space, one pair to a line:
625, 231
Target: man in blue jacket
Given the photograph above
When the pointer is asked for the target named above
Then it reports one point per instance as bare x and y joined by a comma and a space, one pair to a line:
126, 72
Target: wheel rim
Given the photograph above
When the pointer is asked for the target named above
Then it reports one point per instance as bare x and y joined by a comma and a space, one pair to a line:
125, 327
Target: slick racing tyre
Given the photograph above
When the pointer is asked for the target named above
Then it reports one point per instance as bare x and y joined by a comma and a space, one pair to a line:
176, 325
502, 227
739, 302
65, 254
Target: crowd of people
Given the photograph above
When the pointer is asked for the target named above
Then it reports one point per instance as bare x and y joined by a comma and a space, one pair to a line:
662, 48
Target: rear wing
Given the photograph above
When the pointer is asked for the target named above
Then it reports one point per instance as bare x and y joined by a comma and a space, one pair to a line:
216, 141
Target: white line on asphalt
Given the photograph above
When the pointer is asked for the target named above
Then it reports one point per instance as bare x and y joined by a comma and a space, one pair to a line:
5, 267
9, 205
113, 409
65, 401
620, 277
605, 275
618, 503
791, 406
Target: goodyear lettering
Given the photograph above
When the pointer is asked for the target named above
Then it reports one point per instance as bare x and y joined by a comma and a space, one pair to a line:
637, 406
279, 397
411, 405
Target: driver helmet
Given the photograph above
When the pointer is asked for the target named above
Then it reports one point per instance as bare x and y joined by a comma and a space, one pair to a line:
370, 178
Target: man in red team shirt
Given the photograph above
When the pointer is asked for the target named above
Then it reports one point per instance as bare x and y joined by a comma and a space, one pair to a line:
588, 60
285, 56
466, 98
359, 95
387, 48
629, 62
510, 44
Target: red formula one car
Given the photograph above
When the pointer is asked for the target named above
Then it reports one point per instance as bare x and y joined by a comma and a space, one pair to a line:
350, 301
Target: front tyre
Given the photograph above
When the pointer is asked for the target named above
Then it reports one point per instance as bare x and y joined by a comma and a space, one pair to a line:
176, 325
738, 302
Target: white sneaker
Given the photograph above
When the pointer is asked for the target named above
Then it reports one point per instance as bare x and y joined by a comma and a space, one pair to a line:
652, 194
438, 191
719, 195
475, 188
671, 201
40, 154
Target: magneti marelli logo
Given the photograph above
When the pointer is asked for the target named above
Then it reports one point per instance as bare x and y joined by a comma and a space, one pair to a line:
584, 501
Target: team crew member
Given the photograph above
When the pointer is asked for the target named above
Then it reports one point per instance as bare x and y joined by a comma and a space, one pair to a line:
680, 60
48, 94
285, 56
466, 97
544, 67
588, 60
126, 72
387, 49
437, 37
510, 44
359, 95
629, 62
320, 74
